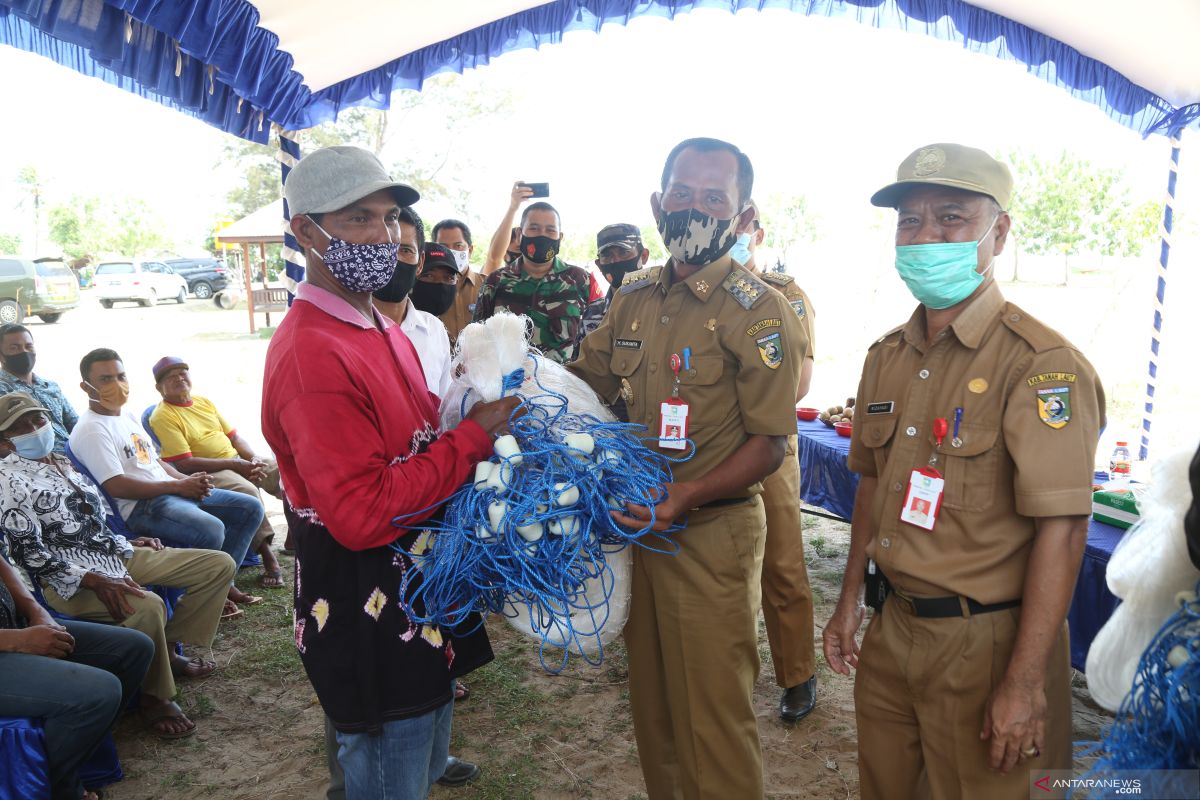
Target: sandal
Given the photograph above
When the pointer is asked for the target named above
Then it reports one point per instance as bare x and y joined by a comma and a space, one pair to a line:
272, 579
155, 715
195, 667
461, 692
244, 599
231, 611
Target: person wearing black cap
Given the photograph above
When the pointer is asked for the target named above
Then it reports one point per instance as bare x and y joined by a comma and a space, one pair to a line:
619, 251
358, 440
455, 234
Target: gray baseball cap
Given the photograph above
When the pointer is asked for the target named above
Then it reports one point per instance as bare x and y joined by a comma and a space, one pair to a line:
332, 178
952, 165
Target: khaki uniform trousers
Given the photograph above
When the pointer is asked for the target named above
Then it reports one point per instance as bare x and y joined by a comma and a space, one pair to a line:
228, 479
786, 596
204, 575
692, 640
919, 697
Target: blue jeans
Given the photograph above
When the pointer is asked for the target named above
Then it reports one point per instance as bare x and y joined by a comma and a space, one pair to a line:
402, 762
223, 521
78, 697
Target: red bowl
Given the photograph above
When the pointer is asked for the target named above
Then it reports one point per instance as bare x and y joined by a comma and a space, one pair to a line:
807, 414
843, 428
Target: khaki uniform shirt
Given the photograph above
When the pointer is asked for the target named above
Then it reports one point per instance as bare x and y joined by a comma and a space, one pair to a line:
459, 315
786, 285
747, 348
1032, 411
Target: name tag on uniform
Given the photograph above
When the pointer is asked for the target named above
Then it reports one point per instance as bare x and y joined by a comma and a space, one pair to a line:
673, 426
924, 498
884, 407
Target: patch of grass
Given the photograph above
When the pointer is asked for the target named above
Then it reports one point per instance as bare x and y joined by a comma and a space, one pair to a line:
503, 779
504, 682
198, 705
264, 643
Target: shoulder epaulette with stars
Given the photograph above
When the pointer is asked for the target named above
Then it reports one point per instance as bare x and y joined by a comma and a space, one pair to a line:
777, 278
745, 288
640, 279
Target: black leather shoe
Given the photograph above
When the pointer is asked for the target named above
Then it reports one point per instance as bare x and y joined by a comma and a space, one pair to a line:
798, 701
459, 772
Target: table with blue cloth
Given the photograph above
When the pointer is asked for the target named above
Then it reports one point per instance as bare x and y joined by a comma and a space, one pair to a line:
826, 482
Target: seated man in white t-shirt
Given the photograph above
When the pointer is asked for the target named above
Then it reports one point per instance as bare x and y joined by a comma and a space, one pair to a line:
426, 332
153, 497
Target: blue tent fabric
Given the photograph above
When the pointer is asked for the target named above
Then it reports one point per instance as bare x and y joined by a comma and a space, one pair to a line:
209, 58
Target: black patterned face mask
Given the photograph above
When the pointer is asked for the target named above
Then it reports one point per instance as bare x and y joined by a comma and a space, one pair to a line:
693, 237
359, 267
539, 249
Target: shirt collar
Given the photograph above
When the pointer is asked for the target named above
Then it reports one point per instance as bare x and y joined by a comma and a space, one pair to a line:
705, 281
969, 326
557, 266
338, 308
415, 319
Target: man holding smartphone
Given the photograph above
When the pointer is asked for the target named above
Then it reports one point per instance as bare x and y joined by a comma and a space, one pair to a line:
540, 285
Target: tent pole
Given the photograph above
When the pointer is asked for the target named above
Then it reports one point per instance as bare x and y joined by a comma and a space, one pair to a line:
293, 259
262, 260
246, 280
1160, 292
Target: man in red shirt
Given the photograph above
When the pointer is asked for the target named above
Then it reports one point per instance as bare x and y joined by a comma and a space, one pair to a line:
356, 434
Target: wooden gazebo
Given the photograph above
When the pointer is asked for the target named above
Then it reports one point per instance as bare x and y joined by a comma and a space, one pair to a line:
261, 228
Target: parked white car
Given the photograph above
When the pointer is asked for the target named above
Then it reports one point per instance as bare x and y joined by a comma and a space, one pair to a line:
137, 281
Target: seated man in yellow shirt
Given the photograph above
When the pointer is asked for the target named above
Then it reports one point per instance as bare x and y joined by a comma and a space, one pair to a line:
194, 437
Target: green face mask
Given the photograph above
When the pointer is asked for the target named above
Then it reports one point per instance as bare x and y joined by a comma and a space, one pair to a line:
943, 274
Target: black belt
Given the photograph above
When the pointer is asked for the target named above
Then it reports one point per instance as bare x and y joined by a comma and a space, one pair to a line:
938, 607
723, 502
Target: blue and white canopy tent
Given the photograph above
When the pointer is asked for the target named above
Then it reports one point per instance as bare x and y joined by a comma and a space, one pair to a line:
253, 67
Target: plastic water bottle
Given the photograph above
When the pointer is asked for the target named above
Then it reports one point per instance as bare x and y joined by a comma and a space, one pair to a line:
1120, 463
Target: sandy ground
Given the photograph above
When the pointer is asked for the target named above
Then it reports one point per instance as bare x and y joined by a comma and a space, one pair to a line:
536, 735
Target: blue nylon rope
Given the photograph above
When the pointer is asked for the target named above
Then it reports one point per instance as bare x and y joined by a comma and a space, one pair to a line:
1158, 724
545, 581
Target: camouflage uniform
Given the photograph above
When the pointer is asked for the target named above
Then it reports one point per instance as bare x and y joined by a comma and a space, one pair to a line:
555, 303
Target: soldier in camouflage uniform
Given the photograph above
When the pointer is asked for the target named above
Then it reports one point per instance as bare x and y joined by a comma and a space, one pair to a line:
540, 285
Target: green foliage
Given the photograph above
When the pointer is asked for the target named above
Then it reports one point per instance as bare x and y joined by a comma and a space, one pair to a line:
446, 101
10, 243
1066, 206
787, 219
119, 226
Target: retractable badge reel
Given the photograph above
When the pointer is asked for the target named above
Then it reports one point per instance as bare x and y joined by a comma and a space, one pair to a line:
673, 414
926, 487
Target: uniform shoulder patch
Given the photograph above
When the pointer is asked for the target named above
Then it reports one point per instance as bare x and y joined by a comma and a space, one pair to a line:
640, 279
1036, 334
894, 334
777, 278
746, 289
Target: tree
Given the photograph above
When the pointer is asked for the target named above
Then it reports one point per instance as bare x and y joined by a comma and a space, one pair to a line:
31, 184
454, 105
10, 243
88, 227
1067, 206
787, 220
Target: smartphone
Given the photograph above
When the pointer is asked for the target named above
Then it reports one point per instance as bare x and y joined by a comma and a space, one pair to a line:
539, 189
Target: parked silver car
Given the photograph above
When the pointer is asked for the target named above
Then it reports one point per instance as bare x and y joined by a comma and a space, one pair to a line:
137, 281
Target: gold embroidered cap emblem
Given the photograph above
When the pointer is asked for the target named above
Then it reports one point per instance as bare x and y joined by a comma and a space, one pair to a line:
929, 161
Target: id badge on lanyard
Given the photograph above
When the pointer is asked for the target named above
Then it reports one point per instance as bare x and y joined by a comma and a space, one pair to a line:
673, 413
926, 487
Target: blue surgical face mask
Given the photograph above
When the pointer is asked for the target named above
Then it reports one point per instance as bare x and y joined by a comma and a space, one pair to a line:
36, 444
943, 274
741, 249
